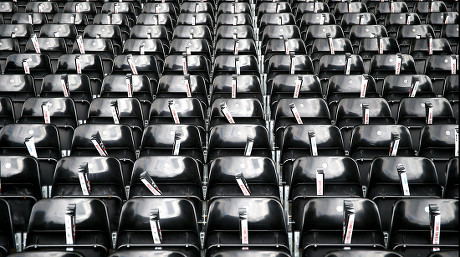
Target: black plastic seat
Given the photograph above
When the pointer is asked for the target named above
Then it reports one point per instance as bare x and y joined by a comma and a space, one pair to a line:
425, 8
197, 7
152, 31
384, 182
383, 65
105, 179
234, 19
311, 18
247, 86
322, 31
87, 8
349, 86
6, 233
181, 180
269, 7
299, 64
111, 32
437, 142
175, 86
7, 115
38, 65
413, 114
384, 8
227, 65
296, 143
21, 188
46, 141
275, 19
350, 113
284, 86
61, 113
360, 32
247, 253
117, 139
129, 113
8, 9
266, 224
190, 46
79, 90
195, 19
233, 8
322, 233
190, 31
195, 65
410, 226
80, 20
368, 47
232, 139
48, 8
190, 111
53, 47
312, 111
394, 21
177, 219
370, 141
142, 89
452, 180
103, 47
341, 178
90, 64
348, 7
35, 19
146, 65
234, 32
17, 88
438, 19
259, 173
242, 111
47, 222
279, 31
167, 7
302, 8
407, 33
68, 32
157, 19
350, 19
337, 64
438, 67
451, 93
325, 46
158, 140
362, 253
8, 46
227, 46
420, 50
450, 32
125, 8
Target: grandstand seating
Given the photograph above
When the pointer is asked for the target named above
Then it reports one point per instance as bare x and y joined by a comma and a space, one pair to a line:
224, 128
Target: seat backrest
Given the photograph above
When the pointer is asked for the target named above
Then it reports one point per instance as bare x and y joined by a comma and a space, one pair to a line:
113, 136
415, 107
45, 137
20, 172
379, 137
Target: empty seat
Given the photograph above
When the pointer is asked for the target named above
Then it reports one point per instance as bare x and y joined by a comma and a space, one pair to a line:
6, 112
362, 253
360, 32
289, 64
80, 20
297, 142
193, 65
75, 86
128, 111
313, 111
47, 253
356, 111
8, 46
111, 32
394, 21
242, 111
424, 8
322, 31
130, 85
38, 140
437, 142
111, 140
35, 19
452, 180
439, 19
438, 67
384, 8
451, 93
450, 32
410, 226
266, 227
57, 111
8, 9
308, 19
53, 47
236, 64
422, 48
145, 46
348, 7
177, 222
370, 141
193, 19
337, 64
383, 65
247, 253
368, 47
340, 178
151, 31
407, 33
172, 139
245, 86
415, 112
179, 86
81, 7
6, 233
394, 178
397, 87
105, 181
137, 64
68, 32
49, 8
324, 46
322, 233
88, 64
21, 32
181, 180
21, 188
47, 226
103, 47
258, 172
37, 65
235, 140
350, 19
